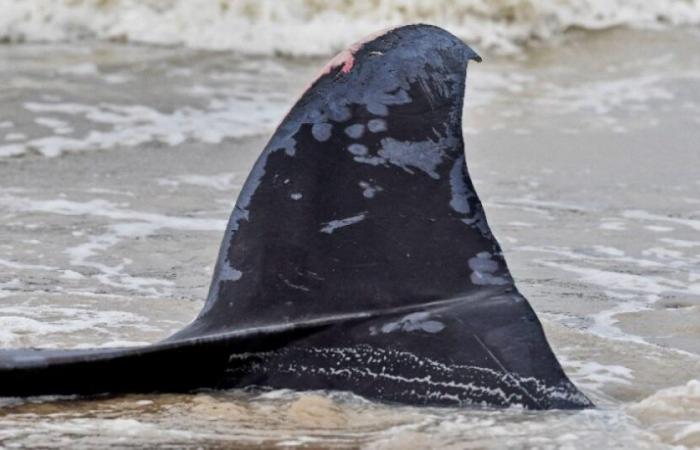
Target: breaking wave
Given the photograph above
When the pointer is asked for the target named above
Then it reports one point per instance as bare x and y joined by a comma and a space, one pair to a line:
315, 27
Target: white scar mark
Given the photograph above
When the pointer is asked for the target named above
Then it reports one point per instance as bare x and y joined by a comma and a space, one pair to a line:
333, 225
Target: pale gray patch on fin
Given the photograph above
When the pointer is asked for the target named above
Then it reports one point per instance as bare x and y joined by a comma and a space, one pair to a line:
330, 227
357, 149
355, 131
371, 160
483, 268
321, 131
369, 190
423, 155
377, 108
296, 196
376, 125
460, 190
228, 273
414, 322
338, 112
224, 272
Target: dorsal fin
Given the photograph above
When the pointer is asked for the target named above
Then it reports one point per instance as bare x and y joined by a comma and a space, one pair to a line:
360, 213
361, 199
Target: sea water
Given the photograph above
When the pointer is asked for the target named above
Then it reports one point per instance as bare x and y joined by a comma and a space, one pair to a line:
120, 163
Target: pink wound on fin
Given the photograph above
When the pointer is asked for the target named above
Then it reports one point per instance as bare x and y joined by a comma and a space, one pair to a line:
346, 58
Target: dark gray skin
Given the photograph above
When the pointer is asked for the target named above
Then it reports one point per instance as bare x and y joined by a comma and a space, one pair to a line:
357, 258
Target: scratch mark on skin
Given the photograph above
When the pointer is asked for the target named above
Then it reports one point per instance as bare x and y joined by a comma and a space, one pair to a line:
425, 379
503, 368
333, 225
292, 285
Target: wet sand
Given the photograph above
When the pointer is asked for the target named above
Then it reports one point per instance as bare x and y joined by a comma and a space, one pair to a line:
121, 165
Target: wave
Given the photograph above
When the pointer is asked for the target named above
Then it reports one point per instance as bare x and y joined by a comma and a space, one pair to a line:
316, 27
673, 414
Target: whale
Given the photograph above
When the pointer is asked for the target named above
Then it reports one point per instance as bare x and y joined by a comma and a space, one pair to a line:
357, 258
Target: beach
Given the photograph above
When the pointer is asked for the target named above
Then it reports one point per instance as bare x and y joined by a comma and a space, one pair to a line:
120, 164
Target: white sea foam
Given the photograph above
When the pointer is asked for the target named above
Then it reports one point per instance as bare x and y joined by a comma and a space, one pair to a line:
124, 224
647, 216
630, 293
605, 323
108, 430
22, 325
131, 125
593, 375
219, 182
530, 203
7, 287
673, 414
658, 228
232, 104
56, 125
681, 243
603, 96
599, 254
103, 208
612, 225
314, 27
627, 282
625, 291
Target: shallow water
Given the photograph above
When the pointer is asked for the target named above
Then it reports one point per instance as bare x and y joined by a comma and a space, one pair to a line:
120, 165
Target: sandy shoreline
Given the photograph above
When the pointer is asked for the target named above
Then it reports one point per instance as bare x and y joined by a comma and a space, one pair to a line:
585, 157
